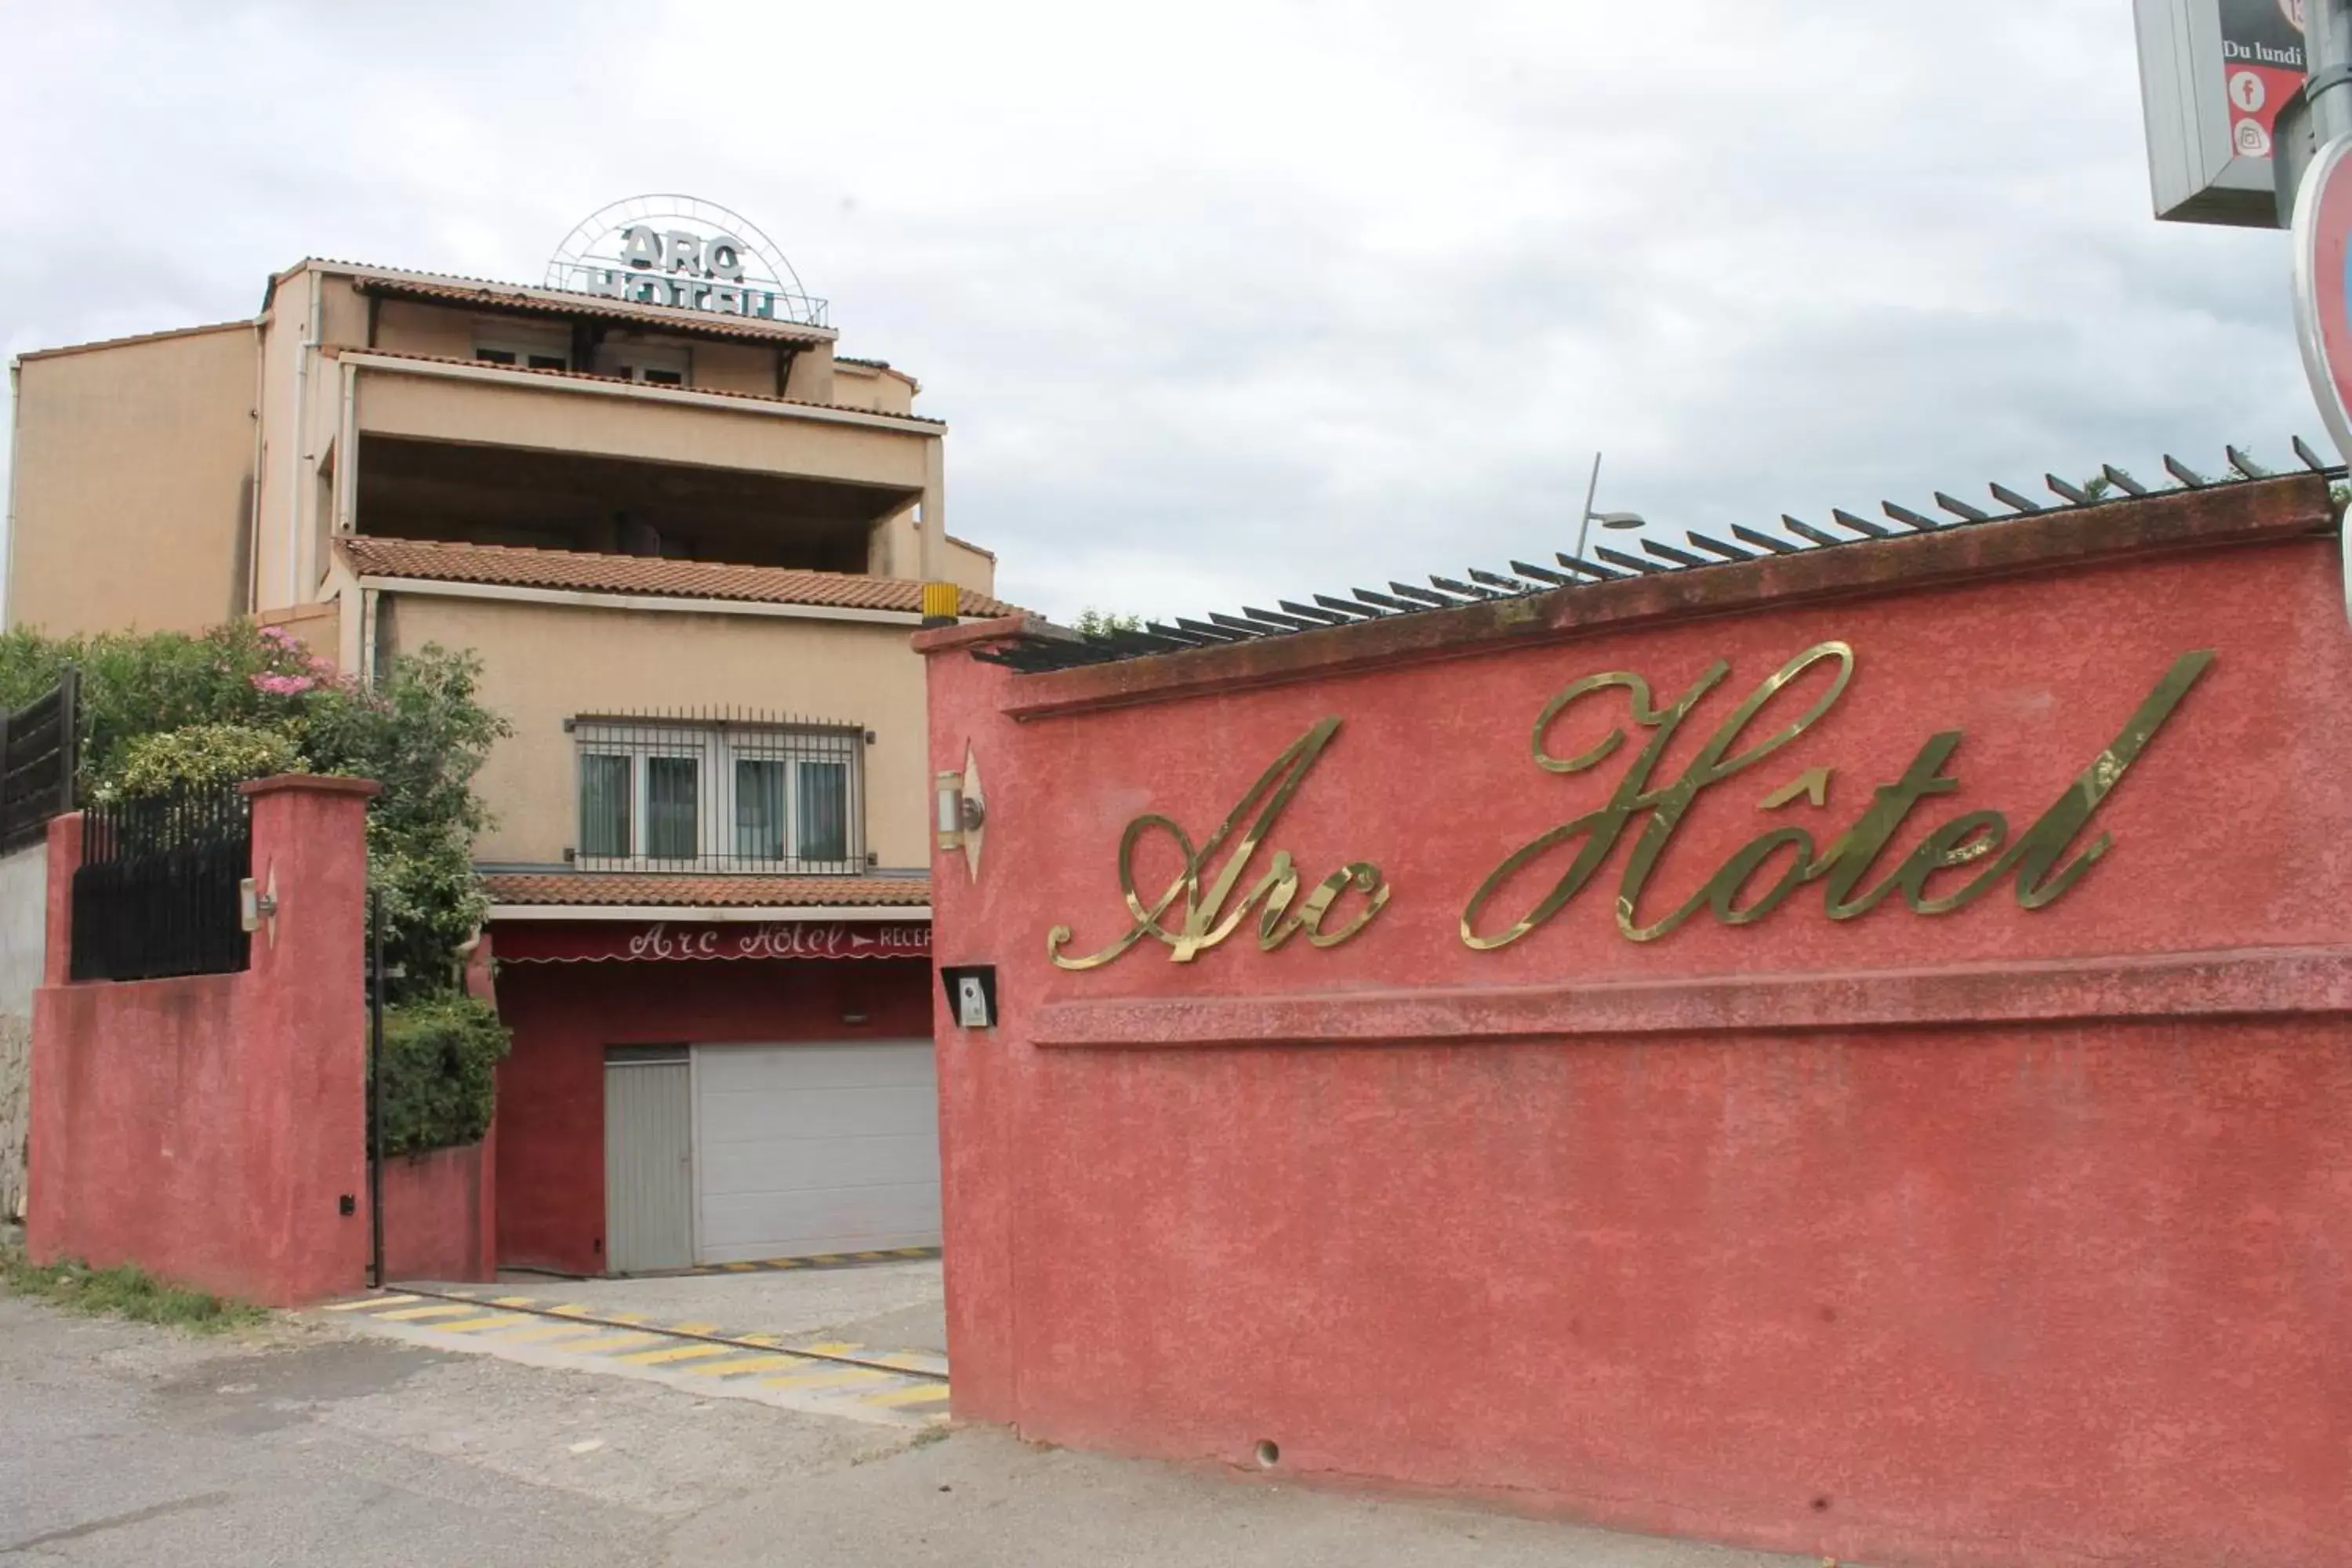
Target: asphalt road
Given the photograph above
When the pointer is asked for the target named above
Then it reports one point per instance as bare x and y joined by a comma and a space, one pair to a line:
304, 1444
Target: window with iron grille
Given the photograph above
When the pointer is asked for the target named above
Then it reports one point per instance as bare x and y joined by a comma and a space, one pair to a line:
661, 794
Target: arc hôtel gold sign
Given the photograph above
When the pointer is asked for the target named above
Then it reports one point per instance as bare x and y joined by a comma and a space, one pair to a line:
1950, 867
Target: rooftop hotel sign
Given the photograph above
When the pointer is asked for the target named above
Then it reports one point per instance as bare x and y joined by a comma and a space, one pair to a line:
1619, 720
685, 253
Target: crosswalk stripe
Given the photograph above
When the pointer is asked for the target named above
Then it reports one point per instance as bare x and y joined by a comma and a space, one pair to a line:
602, 1343
748, 1363
583, 1333
367, 1302
836, 1377
414, 1314
676, 1353
930, 1393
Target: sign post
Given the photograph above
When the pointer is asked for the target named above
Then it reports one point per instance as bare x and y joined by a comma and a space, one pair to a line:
2323, 232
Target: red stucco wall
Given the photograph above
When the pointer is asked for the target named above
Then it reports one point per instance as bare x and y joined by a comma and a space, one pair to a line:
209, 1129
550, 1119
440, 1215
2003, 1236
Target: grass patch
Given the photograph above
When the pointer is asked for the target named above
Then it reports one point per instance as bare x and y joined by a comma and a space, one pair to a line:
125, 1292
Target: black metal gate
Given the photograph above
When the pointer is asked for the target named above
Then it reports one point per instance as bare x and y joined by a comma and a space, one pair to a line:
157, 892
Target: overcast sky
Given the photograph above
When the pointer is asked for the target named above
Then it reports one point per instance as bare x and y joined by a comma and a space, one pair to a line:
1229, 300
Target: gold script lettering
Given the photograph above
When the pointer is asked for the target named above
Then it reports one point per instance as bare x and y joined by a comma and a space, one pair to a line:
1201, 927
1844, 867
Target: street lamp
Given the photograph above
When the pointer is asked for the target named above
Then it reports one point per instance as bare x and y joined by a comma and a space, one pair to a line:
1619, 519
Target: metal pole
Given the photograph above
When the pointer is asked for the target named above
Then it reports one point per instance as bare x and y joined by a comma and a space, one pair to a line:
2327, 40
1584, 523
376, 1087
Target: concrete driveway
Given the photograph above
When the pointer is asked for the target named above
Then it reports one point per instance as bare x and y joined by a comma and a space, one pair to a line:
865, 1342
889, 1305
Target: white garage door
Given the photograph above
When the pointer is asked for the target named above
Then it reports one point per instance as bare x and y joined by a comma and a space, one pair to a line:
811, 1149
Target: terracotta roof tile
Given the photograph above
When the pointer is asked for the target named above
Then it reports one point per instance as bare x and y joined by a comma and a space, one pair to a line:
484, 294
650, 887
647, 387
502, 565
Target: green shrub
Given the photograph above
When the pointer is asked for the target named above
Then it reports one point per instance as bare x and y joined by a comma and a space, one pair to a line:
199, 756
1093, 623
145, 683
421, 734
440, 1055
163, 708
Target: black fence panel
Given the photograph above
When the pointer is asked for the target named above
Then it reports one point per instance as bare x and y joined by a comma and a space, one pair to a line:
157, 891
40, 745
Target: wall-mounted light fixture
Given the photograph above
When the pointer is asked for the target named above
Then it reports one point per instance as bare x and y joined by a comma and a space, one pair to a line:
258, 906
962, 811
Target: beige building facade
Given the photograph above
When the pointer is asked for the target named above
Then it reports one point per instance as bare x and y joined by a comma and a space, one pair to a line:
688, 542
632, 511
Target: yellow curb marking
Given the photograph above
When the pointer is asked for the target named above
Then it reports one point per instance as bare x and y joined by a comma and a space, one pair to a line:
831, 1347
912, 1252
912, 1361
748, 1363
366, 1302
839, 1377
676, 1353
570, 1310
693, 1328
488, 1320
824, 1257
412, 1314
756, 1339
514, 1301
898, 1397
581, 1332
739, 1268
602, 1343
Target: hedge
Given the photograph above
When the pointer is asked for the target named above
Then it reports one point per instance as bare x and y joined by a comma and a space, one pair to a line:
440, 1087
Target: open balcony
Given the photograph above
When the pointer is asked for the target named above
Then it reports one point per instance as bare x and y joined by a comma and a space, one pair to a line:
443, 490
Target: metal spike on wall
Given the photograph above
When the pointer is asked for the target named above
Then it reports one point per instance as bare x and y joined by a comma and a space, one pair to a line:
1696, 552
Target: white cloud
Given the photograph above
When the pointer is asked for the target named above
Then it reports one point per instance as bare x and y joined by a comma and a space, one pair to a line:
1240, 299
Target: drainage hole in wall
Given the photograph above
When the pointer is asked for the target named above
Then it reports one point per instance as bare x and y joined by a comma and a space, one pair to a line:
1821, 1505
1269, 1453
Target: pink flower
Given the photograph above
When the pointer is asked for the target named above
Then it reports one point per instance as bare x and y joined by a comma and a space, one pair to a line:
281, 636
283, 685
